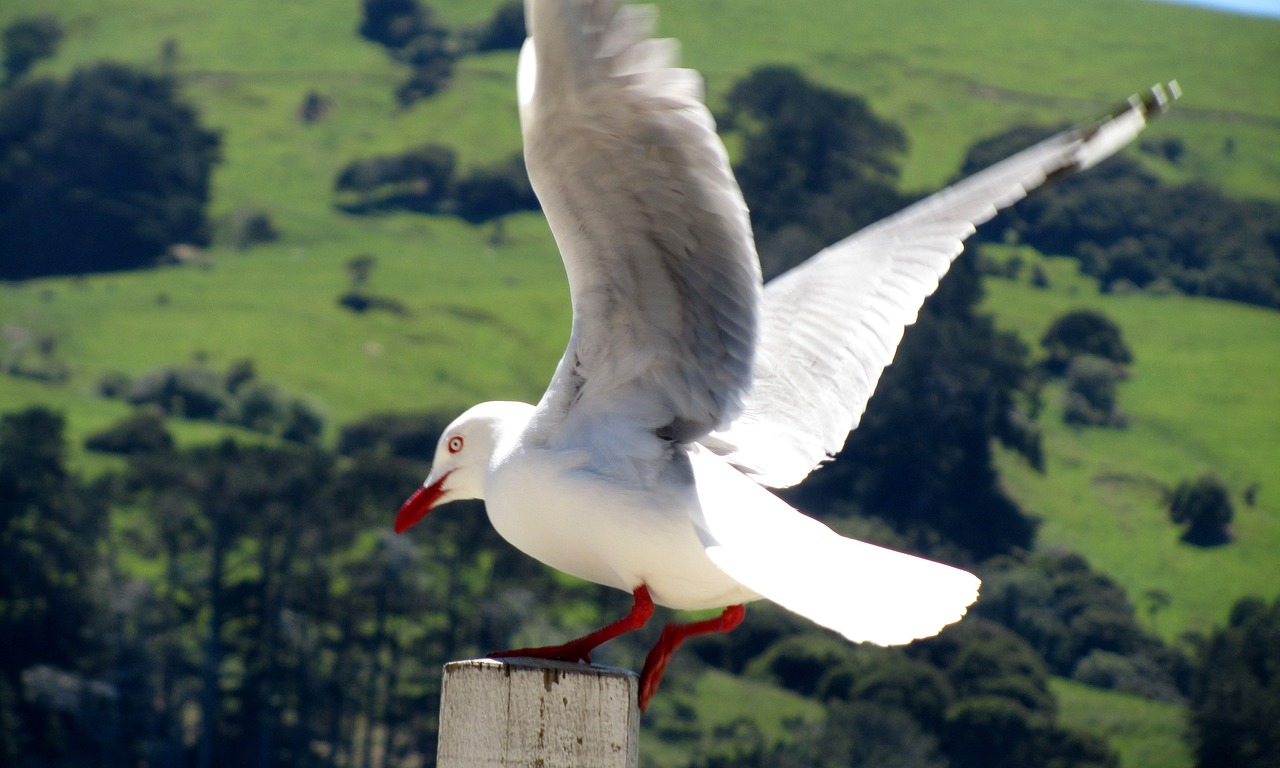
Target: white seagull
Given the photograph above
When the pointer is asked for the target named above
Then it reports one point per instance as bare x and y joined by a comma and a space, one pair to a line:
688, 387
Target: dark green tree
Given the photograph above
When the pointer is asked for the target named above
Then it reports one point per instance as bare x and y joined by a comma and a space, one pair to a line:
1203, 506
420, 179
1005, 715
51, 527
816, 164
411, 33
1067, 612
392, 23
1130, 230
1235, 699
1083, 332
494, 191
140, 432
103, 171
27, 41
1091, 392
504, 30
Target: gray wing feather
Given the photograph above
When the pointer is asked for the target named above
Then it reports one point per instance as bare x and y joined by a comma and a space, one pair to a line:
830, 326
649, 220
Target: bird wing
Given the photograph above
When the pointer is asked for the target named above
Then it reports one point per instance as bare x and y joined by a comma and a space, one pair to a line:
650, 223
831, 325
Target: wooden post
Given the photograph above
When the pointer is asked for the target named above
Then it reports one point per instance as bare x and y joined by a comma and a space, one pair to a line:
518, 713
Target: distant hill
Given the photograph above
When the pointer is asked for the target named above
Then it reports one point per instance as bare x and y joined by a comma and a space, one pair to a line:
485, 308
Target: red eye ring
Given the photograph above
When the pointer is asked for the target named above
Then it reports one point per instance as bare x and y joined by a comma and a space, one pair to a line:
455, 444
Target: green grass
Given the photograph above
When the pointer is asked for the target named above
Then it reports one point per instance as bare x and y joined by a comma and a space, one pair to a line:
1202, 398
951, 73
720, 700
483, 323
1147, 734
489, 321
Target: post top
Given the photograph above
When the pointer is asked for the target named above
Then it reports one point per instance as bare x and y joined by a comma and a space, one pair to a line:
526, 663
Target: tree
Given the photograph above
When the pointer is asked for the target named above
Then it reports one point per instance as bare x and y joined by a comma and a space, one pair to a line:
420, 179
1089, 398
50, 531
412, 35
816, 163
140, 432
393, 23
1132, 231
504, 30
1235, 700
1203, 506
101, 172
1083, 332
1070, 615
27, 41
494, 191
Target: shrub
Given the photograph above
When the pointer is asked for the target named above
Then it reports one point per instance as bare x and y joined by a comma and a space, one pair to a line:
1083, 332
1064, 609
1204, 506
412, 35
234, 397
419, 179
141, 432
303, 423
192, 392
1138, 675
494, 191
245, 227
799, 663
1129, 229
27, 41
504, 30
1090, 395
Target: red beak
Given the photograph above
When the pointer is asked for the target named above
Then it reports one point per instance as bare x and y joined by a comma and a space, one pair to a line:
419, 504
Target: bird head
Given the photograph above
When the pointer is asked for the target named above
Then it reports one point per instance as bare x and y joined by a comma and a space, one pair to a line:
463, 458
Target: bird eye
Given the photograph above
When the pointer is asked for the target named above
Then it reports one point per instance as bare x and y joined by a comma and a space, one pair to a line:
455, 444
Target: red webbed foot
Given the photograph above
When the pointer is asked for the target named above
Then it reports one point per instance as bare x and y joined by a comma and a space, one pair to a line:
672, 636
580, 649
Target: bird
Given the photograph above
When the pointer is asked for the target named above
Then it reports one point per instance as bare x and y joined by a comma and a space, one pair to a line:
689, 388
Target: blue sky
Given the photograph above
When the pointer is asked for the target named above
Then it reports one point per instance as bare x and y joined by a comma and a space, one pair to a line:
1252, 7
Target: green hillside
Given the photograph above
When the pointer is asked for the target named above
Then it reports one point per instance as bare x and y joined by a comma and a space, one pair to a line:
949, 76
1200, 399
487, 311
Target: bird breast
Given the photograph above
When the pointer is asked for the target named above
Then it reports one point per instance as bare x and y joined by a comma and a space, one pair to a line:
562, 512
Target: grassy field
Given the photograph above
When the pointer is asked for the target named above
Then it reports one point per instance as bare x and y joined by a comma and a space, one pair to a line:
487, 312
1147, 734
1202, 398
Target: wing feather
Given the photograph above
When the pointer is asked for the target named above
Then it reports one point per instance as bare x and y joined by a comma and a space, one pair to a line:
649, 220
830, 326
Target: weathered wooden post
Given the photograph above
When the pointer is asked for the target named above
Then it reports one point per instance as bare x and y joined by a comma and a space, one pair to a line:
529, 712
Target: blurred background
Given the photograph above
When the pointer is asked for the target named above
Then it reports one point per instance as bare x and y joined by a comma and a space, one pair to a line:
254, 256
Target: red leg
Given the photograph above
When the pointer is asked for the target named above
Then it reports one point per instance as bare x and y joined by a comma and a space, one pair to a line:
580, 649
672, 636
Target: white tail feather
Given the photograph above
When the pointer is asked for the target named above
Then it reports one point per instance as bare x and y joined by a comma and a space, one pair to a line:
865, 592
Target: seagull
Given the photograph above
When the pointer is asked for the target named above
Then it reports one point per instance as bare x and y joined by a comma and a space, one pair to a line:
689, 388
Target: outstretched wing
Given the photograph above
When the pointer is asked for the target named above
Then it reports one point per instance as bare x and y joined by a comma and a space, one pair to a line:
830, 326
650, 222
